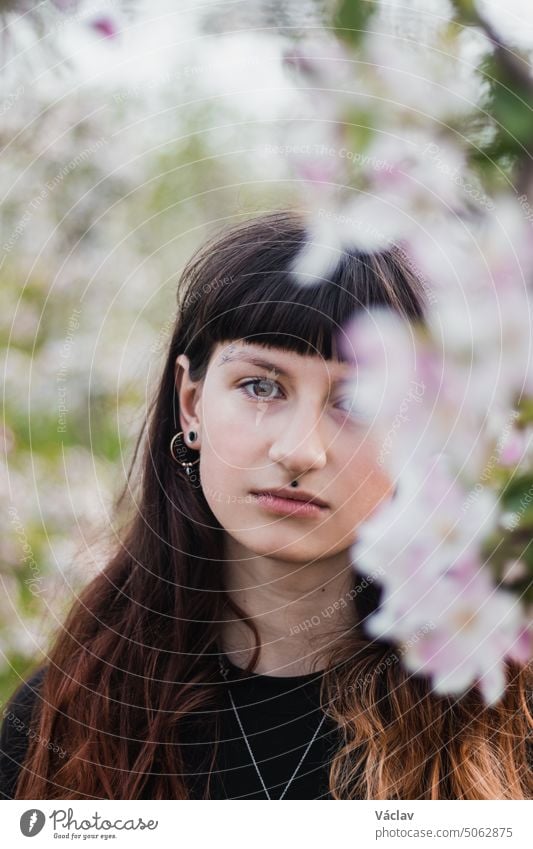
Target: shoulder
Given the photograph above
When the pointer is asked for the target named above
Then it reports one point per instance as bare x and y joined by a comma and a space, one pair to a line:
16, 717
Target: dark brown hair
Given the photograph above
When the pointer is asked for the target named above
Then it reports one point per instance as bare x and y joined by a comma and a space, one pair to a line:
135, 661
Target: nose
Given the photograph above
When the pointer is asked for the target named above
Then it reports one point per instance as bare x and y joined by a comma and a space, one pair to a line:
299, 445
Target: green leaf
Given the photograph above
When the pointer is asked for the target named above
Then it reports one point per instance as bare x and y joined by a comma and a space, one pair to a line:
465, 11
351, 18
518, 494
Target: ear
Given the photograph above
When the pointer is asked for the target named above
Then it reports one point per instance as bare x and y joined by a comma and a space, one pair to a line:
189, 394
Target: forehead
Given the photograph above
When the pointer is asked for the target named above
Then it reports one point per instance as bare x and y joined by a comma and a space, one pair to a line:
283, 362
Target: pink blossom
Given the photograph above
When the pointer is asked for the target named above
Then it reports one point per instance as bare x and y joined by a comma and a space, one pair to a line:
459, 631
105, 26
383, 348
429, 527
513, 448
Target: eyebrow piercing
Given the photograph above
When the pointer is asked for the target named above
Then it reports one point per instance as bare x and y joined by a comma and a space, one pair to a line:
227, 353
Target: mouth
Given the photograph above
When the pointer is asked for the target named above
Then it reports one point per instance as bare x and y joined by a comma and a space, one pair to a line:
302, 504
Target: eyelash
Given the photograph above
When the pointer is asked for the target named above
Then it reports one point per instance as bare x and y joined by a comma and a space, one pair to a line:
255, 380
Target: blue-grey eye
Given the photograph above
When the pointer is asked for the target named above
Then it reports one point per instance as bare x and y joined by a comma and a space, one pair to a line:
258, 381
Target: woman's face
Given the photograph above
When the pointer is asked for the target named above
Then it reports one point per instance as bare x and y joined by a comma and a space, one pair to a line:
260, 426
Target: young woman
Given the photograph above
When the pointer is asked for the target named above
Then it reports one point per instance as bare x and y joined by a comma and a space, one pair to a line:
222, 651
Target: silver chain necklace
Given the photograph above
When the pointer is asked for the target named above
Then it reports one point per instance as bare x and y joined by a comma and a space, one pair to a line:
224, 670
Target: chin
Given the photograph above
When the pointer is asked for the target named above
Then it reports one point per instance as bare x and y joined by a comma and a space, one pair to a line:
286, 551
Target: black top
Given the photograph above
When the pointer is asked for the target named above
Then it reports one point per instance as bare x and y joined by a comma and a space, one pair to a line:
279, 716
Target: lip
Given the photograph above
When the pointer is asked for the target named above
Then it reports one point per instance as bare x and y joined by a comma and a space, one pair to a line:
293, 494
286, 502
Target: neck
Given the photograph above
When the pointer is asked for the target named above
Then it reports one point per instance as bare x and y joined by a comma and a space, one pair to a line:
298, 609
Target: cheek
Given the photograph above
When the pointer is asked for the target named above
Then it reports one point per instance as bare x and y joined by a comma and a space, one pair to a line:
232, 433
228, 451
363, 483
228, 446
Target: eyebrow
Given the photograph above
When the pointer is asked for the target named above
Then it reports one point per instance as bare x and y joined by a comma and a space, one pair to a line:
244, 357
